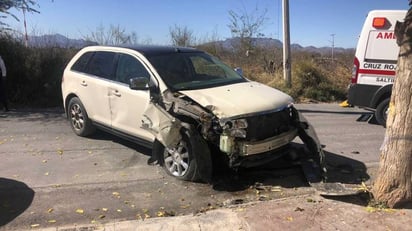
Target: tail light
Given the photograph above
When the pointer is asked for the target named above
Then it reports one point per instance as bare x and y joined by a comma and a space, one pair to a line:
355, 71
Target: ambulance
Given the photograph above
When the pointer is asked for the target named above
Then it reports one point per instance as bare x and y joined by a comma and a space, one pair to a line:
375, 61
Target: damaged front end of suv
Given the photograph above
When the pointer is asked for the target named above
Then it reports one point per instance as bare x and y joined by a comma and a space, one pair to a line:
185, 129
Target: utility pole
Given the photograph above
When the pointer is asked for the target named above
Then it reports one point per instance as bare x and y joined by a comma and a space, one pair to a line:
333, 45
286, 45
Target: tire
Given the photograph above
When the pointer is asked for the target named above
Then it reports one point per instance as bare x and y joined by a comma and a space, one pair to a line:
79, 120
189, 161
381, 113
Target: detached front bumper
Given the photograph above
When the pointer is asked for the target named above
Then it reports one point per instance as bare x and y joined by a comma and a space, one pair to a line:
269, 144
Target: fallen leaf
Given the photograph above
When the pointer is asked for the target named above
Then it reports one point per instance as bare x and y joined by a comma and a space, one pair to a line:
185, 206
116, 194
105, 209
50, 210
370, 209
363, 187
310, 200
119, 210
44, 161
51, 221
146, 216
60, 151
35, 225
289, 218
46, 174
102, 216
389, 210
79, 211
160, 214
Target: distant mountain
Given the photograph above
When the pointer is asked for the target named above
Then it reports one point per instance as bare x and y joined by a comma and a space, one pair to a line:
57, 40
268, 43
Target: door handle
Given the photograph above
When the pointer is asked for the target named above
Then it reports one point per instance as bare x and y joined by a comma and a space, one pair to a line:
117, 93
83, 83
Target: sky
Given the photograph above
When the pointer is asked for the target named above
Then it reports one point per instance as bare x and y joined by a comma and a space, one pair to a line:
312, 22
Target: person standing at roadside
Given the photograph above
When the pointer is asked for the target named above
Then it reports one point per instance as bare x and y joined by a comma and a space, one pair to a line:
3, 94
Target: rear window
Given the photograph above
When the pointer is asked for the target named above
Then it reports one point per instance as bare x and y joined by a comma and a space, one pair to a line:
81, 64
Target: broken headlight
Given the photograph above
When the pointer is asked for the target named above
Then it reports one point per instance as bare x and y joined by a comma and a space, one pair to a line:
236, 128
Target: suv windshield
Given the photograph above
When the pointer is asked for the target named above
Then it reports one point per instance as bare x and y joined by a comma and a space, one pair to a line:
193, 70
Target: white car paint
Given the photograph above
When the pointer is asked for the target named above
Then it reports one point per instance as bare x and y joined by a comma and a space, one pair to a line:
240, 99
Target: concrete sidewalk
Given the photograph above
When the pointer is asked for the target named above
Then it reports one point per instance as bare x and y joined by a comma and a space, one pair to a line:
309, 212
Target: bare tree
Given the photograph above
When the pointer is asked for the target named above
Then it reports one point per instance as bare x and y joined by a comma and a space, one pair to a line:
394, 181
182, 36
114, 35
245, 26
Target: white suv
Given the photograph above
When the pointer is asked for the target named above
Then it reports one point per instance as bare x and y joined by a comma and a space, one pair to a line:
184, 104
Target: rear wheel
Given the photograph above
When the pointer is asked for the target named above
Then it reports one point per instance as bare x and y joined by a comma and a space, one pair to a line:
79, 120
381, 112
190, 160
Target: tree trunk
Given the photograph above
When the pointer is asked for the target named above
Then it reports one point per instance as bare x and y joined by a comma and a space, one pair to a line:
393, 185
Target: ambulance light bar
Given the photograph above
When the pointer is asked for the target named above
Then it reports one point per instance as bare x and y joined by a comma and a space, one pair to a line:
379, 22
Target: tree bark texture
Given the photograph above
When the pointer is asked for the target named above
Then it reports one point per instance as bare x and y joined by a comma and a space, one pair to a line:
393, 185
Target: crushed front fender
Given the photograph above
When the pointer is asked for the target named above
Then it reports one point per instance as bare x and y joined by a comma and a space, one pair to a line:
314, 166
162, 125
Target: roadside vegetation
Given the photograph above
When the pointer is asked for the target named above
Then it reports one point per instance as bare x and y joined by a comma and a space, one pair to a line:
34, 73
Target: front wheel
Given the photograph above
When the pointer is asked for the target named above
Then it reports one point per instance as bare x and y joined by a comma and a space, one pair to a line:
382, 111
190, 160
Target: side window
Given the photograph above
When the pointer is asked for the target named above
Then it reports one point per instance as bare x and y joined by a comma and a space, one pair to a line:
81, 63
102, 64
129, 67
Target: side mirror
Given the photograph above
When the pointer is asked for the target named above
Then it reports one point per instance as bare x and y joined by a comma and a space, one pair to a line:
239, 70
139, 83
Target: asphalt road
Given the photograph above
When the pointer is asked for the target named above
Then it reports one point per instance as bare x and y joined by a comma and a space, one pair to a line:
50, 177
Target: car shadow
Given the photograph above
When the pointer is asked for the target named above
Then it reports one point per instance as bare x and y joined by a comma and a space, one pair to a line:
286, 173
15, 198
105, 136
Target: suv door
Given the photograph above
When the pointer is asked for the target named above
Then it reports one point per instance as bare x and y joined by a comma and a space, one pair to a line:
127, 105
94, 84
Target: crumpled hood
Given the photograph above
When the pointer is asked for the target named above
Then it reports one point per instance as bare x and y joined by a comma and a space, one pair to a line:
239, 99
